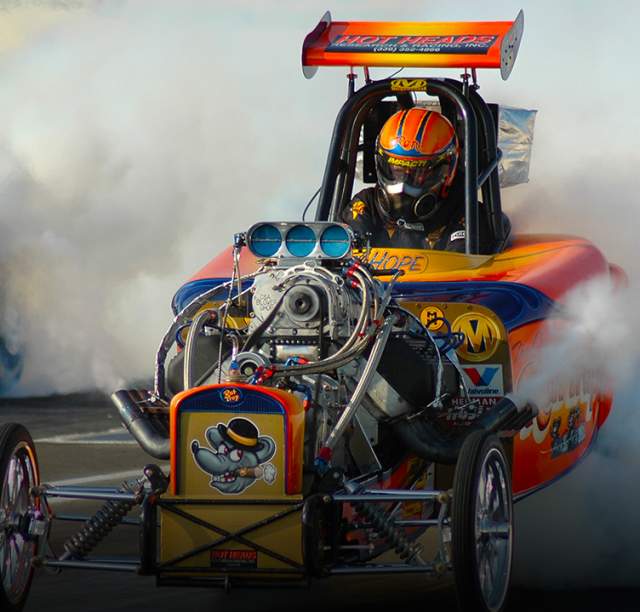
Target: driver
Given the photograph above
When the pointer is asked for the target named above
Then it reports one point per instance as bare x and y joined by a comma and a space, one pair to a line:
413, 205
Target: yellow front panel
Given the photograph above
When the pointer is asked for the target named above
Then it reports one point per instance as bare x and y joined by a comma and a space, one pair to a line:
202, 471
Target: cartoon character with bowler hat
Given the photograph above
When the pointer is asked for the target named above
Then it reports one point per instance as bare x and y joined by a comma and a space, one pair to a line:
238, 456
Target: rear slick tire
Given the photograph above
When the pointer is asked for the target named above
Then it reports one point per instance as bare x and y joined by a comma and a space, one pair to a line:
18, 474
482, 524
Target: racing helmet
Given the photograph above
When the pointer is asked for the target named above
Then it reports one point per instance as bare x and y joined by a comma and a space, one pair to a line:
416, 160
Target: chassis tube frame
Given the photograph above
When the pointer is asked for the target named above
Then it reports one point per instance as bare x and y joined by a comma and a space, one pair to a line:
479, 136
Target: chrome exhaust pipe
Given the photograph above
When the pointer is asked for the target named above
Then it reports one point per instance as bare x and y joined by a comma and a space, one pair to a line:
150, 435
509, 414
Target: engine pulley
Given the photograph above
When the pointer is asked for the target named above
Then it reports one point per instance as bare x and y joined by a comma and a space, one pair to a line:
302, 303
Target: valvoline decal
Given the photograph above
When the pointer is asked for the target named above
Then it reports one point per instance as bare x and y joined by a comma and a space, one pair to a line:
484, 380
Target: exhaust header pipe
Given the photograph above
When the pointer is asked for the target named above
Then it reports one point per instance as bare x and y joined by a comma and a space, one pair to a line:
150, 435
509, 414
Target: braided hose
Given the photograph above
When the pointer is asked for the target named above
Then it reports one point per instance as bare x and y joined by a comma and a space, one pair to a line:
196, 327
182, 318
372, 287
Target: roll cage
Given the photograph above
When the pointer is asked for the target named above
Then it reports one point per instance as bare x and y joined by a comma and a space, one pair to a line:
476, 123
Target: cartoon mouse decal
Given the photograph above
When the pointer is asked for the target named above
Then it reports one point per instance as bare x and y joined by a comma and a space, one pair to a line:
238, 456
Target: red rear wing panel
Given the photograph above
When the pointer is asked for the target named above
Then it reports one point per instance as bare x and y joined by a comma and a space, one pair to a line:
483, 44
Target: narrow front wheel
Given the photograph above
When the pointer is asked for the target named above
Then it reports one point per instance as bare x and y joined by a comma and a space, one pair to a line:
482, 524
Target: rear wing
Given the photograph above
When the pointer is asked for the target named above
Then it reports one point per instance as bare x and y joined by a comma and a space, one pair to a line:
482, 44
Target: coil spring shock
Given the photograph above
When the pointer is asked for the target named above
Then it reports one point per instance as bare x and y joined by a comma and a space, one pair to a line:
383, 524
101, 523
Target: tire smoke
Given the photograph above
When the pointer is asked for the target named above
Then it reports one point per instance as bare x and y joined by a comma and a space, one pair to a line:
136, 140
134, 143
582, 530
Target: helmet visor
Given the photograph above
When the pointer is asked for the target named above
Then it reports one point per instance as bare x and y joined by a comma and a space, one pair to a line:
412, 176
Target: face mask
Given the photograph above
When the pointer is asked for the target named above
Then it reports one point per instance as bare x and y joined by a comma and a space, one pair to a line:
426, 206
402, 205
399, 205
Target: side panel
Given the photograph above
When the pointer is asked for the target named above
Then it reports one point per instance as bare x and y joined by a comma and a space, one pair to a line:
565, 428
484, 355
548, 264
495, 362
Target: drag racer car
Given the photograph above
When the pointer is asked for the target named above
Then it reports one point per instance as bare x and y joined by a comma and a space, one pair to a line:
331, 408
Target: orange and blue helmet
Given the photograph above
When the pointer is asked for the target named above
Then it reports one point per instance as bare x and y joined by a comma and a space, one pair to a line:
416, 156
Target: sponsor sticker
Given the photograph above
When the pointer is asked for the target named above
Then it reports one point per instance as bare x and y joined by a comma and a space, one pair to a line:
481, 336
468, 44
461, 413
409, 85
234, 559
357, 209
459, 235
484, 380
231, 395
407, 163
384, 260
480, 404
432, 318
485, 383
572, 437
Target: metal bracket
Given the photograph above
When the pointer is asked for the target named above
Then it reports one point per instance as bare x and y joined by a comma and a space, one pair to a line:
228, 536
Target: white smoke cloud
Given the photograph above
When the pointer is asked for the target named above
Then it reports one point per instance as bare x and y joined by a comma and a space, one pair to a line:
134, 143
581, 531
136, 139
583, 339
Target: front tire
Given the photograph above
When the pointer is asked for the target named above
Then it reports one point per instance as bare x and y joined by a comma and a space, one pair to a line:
19, 473
482, 524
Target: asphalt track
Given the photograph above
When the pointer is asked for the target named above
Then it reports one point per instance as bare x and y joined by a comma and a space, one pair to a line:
78, 439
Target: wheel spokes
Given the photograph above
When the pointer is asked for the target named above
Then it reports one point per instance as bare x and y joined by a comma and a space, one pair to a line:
493, 531
8, 489
16, 548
